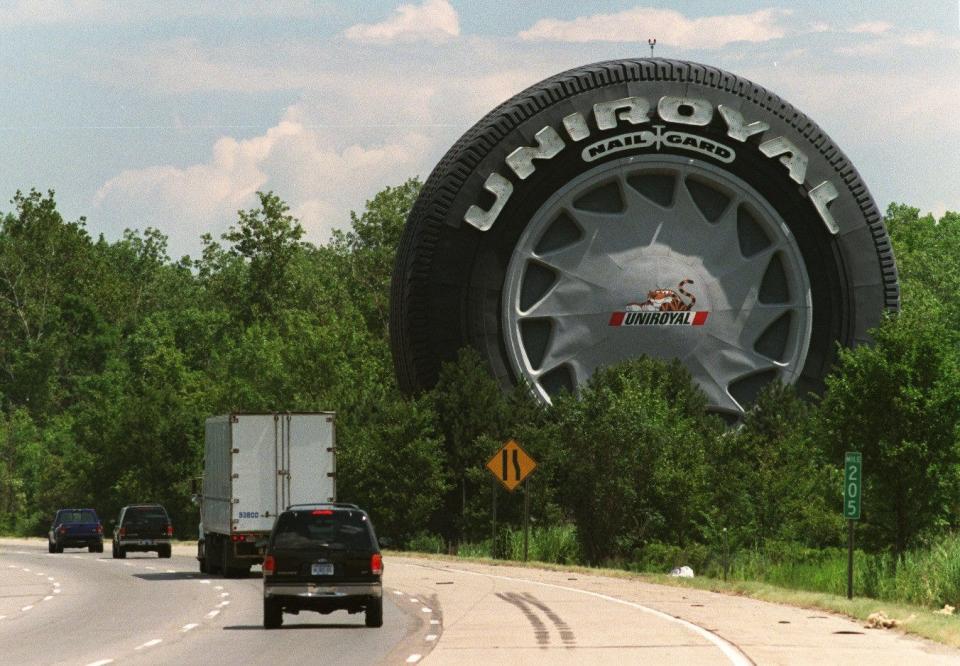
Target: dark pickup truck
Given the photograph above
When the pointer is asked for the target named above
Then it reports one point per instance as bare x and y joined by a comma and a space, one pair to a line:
75, 528
142, 527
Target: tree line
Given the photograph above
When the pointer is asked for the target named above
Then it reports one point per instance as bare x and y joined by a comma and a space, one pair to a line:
112, 354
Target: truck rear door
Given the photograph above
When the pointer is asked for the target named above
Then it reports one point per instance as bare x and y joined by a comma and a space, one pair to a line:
309, 458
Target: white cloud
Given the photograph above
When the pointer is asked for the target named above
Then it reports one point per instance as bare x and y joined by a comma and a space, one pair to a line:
872, 27
667, 26
434, 20
319, 182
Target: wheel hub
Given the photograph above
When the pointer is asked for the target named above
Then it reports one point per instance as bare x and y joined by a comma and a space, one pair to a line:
659, 256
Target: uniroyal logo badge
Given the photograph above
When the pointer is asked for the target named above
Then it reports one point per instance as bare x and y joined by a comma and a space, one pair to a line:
663, 307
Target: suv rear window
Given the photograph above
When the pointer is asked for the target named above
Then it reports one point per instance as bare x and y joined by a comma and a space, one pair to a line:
146, 514
349, 530
77, 517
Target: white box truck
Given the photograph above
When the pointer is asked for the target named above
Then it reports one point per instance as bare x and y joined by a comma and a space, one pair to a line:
254, 467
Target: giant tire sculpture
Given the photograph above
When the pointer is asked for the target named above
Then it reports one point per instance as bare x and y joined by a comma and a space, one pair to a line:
634, 207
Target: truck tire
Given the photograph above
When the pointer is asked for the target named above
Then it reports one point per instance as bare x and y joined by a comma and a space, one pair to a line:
373, 616
272, 614
641, 207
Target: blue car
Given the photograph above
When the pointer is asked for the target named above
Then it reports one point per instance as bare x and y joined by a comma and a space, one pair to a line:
75, 528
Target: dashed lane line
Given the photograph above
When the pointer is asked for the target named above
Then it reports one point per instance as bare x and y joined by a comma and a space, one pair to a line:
414, 658
426, 610
102, 662
188, 627
48, 597
26, 608
149, 644
430, 637
212, 614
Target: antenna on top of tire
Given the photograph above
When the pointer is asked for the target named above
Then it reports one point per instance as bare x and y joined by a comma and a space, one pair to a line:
652, 43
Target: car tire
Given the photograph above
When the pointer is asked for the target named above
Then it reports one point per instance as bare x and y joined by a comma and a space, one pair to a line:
100, 547
165, 552
58, 548
119, 552
373, 617
272, 614
506, 282
50, 547
92, 548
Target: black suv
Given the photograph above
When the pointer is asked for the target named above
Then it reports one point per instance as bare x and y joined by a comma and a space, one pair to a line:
142, 527
322, 557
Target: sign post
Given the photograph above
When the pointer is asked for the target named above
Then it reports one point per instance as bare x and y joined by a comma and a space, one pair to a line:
852, 486
511, 466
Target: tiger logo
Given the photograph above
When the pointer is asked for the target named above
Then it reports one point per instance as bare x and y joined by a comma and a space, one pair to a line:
668, 300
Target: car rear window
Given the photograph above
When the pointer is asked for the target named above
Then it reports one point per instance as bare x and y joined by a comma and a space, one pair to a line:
79, 516
146, 514
349, 530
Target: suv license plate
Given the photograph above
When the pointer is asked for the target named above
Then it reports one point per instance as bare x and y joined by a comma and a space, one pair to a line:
146, 542
321, 569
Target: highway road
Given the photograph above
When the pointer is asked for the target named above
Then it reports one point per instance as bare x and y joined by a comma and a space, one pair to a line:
87, 608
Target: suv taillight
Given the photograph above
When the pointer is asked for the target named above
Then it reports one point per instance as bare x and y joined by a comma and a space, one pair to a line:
123, 532
376, 564
169, 530
63, 529
99, 528
269, 565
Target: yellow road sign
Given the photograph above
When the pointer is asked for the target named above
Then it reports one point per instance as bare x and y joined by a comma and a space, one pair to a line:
511, 465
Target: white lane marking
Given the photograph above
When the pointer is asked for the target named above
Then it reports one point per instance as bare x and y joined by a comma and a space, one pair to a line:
155, 641
430, 637
212, 614
56, 583
171, 571
426, 610
152, 568
50, 578
414, 658
56, 590
40, 573
205, 582
26, 608
102, 662
11, 566
218, 587
188, 627
26, 569
434, 621
3, 617
128, 564
398, 592
223, 603
730, 651
414, 600
48, 597
224, 594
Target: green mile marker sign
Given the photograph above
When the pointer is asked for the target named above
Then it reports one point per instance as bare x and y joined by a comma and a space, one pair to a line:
852, 484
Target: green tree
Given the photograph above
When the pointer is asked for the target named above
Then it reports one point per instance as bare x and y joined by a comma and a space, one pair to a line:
898, 402
634, 449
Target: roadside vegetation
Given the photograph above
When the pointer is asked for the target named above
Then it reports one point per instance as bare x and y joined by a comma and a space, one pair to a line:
113, 354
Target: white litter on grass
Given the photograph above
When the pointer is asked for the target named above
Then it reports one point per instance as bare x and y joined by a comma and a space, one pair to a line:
682, 572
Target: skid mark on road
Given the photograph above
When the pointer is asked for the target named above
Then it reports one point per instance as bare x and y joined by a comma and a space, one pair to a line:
539, 628
566, 633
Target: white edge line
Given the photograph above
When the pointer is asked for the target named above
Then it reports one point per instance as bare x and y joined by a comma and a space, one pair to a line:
102, 662
414, 658
731, 651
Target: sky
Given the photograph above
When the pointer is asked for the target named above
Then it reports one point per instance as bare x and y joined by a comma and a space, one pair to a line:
173, 114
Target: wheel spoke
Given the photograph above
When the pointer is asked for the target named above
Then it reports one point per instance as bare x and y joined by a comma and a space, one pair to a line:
741, 283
